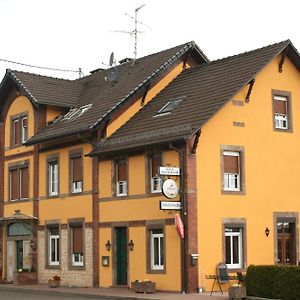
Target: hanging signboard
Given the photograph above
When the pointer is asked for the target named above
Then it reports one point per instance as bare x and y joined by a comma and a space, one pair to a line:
170, 205
179, 226
170, 188
170, 171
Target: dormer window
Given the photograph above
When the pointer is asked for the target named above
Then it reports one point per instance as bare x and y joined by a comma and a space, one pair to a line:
169, 107
75, 113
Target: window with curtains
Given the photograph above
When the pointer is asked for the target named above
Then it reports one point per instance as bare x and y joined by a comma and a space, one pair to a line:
19, 130
76, 170
234, 247
18, 182
155, 161
231, 171
77, 245
121, 177
282, 110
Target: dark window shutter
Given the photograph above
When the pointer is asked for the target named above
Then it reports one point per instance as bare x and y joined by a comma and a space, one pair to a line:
156, 163
16, 132
24, 183
231, 164
77, 240
77, 169
121, 169
14, 182
280, 107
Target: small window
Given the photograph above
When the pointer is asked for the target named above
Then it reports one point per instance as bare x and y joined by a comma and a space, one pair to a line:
19, 183
77, 245
76, 174
157, 249
54, 246
234, 247
19, 130
282, 110
231, 171
121, 177
170, 106
53, 178
155, 161
75, 113
24, 129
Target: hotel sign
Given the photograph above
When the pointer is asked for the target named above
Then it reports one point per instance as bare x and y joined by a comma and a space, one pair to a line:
170, 171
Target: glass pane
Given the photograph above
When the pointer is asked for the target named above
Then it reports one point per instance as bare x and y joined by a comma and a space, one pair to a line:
235, 241
52, 249
227, 250
18, 229
279, 227
161, 251
57, 249
155, 251
279, 247
287, 227
288, 251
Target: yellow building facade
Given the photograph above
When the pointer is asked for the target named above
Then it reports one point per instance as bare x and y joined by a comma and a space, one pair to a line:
82, 186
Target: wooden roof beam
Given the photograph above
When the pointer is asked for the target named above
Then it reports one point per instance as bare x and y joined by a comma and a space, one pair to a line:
251, 83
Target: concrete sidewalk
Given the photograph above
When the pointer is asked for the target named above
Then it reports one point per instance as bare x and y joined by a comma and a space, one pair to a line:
117, 293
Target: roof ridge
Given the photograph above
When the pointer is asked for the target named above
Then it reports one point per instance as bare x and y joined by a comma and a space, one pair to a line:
285, 42
40, 75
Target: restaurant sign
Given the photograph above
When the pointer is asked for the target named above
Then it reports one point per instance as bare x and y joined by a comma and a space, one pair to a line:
170, 171
170, 205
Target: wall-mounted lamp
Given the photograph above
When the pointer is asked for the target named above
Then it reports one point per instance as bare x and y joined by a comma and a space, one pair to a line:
267, 231
108, 245
131, 245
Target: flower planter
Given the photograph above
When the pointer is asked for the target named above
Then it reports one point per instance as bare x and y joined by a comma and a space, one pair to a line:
53, 283
146, 287
237, 292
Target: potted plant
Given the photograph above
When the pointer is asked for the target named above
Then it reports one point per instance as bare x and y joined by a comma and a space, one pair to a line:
143, 286
54, 281
237, 291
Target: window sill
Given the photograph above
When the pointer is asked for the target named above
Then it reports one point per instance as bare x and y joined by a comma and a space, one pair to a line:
149, 271
52, 267
226, 192
237, 270
289, 130
77, 268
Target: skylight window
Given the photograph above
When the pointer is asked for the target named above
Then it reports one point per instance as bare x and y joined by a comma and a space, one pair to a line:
75, 113
169, 107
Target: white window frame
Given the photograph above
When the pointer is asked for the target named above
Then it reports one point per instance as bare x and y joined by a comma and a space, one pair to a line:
232, 181
54, 237
281, 120
53, 178
156, 181
238, 234
77, 259
160, 238
77, 186
122, 188
24, 129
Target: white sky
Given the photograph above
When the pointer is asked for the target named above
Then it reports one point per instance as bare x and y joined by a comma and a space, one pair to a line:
70, 34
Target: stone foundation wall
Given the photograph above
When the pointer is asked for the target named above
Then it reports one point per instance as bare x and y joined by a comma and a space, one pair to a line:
69, 277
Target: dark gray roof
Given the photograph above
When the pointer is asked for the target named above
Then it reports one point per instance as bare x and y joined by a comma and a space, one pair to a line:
207, 88
104, 95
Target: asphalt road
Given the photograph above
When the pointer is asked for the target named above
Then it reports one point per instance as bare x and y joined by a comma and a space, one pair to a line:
21, 295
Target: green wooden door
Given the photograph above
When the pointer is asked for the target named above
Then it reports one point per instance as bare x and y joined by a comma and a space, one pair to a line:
121, 255
19, 253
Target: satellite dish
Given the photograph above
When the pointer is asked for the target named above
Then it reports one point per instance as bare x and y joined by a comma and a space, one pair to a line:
112, 74
111, 59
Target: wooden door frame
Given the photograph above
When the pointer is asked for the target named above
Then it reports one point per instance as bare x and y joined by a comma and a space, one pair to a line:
114, 250
290, 217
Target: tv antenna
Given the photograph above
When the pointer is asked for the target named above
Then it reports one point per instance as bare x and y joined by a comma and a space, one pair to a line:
135, 31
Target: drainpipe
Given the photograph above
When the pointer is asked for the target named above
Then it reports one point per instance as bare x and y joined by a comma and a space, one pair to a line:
183, 217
